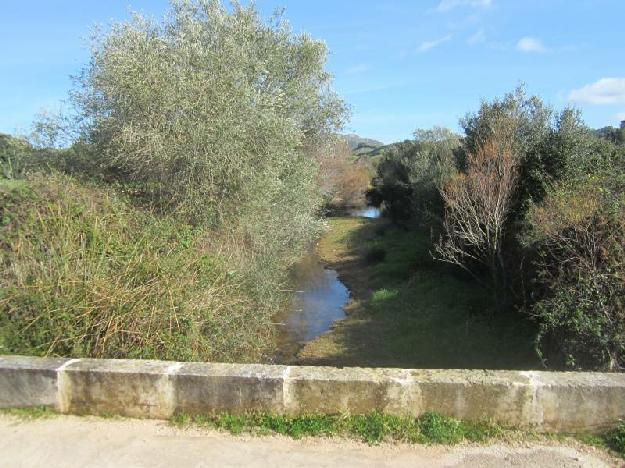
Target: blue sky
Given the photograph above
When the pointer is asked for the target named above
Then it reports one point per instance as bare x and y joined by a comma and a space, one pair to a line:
400, 64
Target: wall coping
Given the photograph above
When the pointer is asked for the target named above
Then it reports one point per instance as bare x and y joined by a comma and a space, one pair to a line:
543, 401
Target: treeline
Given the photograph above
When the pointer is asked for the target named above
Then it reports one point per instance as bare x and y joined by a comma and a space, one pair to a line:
530, 203
191, 184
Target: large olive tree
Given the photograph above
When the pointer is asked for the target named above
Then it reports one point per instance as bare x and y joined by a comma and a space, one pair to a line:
213, 113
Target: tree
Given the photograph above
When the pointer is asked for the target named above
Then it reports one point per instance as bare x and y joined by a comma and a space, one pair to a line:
528, 122
478, 204
343, 179
411, 171
579, 236
212, 114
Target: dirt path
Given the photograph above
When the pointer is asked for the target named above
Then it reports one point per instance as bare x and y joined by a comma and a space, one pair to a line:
66, 441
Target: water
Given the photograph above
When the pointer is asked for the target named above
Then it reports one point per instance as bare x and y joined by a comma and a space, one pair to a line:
366, 212
319, 301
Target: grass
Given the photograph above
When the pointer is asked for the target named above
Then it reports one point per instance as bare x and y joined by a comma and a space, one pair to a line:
411, 311
30, 413
376, 427
87, 274
372, 428
613, 439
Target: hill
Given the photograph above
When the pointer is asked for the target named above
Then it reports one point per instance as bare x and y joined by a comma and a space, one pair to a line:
356, 142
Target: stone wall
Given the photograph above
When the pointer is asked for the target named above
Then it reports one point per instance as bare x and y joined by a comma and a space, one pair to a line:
545, 401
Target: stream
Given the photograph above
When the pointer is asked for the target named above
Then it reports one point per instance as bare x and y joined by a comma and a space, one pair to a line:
320, 298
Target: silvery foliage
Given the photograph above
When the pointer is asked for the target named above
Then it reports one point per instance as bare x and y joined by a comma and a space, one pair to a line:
216, 111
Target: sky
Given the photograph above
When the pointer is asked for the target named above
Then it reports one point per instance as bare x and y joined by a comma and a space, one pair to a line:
399, 64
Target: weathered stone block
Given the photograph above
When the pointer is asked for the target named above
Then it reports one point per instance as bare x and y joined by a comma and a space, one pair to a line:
28, 381
350, 390
573, 401
202, 388
132, 388
502, 396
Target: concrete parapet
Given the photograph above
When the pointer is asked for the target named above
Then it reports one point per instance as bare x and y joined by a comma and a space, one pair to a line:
544, 401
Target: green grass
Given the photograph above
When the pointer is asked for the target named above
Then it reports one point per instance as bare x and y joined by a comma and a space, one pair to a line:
613, 439
414, 311
88, 274
377, 427
32, 412
371, 428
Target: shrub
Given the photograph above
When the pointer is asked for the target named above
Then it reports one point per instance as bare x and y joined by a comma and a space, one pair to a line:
615, 439
579, 235
84, 274
410, 172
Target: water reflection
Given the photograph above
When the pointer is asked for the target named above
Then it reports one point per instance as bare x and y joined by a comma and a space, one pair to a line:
319, 301
366, 212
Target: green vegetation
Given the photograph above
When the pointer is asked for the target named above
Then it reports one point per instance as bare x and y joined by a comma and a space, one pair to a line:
410, 311
167, 228
613, 439
529, 203
30, 413
376, 427
89, 275
410, 172
372, 428
160, 218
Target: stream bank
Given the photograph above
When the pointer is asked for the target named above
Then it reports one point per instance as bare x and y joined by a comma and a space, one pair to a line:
406, 310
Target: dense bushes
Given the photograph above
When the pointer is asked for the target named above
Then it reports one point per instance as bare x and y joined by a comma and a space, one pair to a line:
579, 236
410, 172
85, 274
532, 205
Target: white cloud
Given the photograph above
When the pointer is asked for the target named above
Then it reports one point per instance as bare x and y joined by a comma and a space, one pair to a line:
603, 91
620, 116
530, 44
427, 45
447, 5
477, 38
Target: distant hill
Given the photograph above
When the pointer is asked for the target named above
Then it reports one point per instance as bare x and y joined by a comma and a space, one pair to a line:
355, 141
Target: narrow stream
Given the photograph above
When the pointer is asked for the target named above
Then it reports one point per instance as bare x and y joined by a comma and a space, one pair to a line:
319, 301
366, 212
